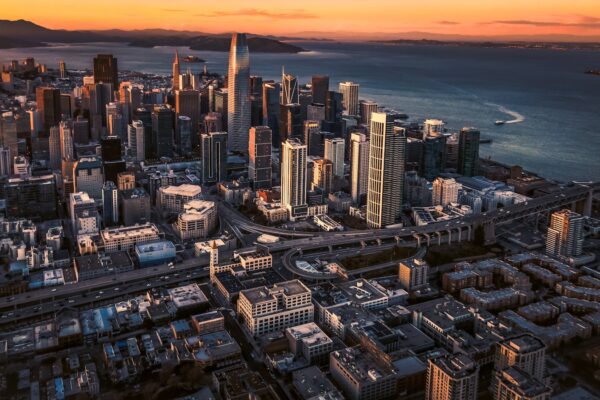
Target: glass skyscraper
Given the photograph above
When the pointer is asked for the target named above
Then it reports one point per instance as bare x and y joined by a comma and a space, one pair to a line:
238, 107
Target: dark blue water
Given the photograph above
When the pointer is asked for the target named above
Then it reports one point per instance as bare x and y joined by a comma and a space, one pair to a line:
555, 106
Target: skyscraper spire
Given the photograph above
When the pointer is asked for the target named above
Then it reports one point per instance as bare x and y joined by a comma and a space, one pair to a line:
176, 71
238, 101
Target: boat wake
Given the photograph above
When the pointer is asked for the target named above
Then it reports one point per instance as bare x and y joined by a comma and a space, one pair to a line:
517, 118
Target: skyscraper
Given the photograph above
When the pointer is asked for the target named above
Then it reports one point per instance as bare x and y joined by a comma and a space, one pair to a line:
366, 108
565, 234
176, 71
334, 151
434, 156
386, 171
66, 140
359, 166
88, 176
290, 92
187, 103
110, 204
290, 122
54, 148
445, 191
319, 87
238, 104
112, 160
259, 152
270, 97
106, 70
48, 104
62, 69
322, 175
293, 177
433, 127
214, 156
313, 138
468, 151
349, 91
183, 135
136, 138
162, 130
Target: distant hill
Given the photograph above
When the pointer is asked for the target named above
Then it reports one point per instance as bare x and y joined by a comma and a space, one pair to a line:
22, 33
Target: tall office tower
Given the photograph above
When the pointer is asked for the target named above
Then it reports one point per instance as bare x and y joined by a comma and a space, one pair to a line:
290, 91
106, 70
187, 103
334, 151
5, 162
112, 161
176, 71
9, 134
412, 274
333, 112
445, 191
88, 176
259, 151
136, 137
433, 127
468, 151
115, 124
385, 188
293, 177
54, 148
434, 156
48, 105
95, 98
565, 234
67, 105
183, 135
110, 204
349, 91
315, 112
162, 130
81, 130
414, 154
35, 122
256, 84
125, 102
319, 88
221, 99
144, 115
359, 163
452, 152
366, 107
62, 69
313, 138
290, 122
271, 93
126, 180
214, 156
322, 175
67, 146
256, 112
451, 377
526, 352
213, 122
238, 102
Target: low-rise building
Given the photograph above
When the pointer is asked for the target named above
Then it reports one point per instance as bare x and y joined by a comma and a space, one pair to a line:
126, 237
309, 341
155, 253
171, 199
198, 219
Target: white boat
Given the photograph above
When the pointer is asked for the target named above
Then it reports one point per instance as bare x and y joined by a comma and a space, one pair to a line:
499, 122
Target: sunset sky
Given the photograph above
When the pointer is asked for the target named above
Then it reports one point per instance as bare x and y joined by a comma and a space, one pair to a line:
465, 17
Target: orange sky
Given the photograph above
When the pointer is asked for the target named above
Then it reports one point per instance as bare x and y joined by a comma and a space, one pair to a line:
470, 17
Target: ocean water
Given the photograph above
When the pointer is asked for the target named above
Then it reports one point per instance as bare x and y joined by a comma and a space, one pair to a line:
552, 106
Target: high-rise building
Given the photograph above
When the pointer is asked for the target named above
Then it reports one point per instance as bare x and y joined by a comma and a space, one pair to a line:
110, 204
214, 157
452, 149
126, 180
115, 123
271, 92
81, 130
290, 122
359, 166
514, 384
144, 115
162, 130
386, 171
313, 138
319, 88
238, 82
48, 105
445, 191
412, 274
322, 175
30, 197
349, 91
334, 151
66, 140
433, 127
5, 162
526, 352
176, 71
106, 70
183, 135
433, 156
62, 69
367, 107
293, 177
565, 234
95, 98
187, 103
54, 148
315, 112
290, 91
135, 206
259, 152
468, 151
452, 377
136, 138
88, 176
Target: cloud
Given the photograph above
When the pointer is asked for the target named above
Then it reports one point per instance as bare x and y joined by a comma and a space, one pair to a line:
255, 12
584, 22
448, 23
